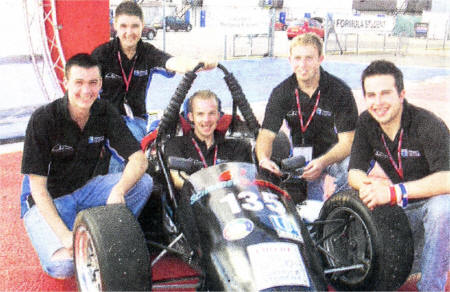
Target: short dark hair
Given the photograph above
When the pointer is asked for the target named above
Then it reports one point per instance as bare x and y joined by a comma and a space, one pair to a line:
383, 67
129, 8
81, 60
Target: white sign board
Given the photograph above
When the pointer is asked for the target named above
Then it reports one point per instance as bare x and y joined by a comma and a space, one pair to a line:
248, 20
363, 23
277, 264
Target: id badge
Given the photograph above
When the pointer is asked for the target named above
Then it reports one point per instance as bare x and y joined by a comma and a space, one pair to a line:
305, 151
128, 110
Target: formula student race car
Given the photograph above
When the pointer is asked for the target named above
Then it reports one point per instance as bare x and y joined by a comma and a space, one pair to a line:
238, 227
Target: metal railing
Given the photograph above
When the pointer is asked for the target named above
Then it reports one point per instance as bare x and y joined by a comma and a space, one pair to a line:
361, 43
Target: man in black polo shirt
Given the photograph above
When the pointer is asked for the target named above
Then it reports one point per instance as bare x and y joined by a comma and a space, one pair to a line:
412, 147
321, 113
63, 145
126, 62
204, 143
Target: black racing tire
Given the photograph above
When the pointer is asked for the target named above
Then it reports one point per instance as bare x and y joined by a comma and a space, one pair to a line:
110, 251
381, 240
188, 27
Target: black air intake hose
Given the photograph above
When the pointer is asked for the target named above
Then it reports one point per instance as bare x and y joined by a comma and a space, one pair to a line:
241, 101
171, 113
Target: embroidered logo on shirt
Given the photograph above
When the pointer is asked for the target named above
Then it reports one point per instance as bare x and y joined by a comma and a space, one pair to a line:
319, 112
92, 139
322, 112
140, 73
410, 153
403, 153
111, 75
380, 154
58, 148
292, 113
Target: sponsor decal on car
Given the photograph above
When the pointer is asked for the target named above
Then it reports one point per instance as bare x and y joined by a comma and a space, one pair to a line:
197, 196
286, 227
276, 264
237, 229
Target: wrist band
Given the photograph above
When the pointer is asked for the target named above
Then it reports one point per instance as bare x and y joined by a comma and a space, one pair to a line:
393, 196
401, 195
404, 195
398, 195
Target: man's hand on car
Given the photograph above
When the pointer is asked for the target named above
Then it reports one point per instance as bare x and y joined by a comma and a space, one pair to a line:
374, 193
270, 165
313, 170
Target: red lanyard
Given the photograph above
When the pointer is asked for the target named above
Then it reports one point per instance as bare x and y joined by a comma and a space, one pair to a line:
398, 168
199, 151
124, 76
300, 116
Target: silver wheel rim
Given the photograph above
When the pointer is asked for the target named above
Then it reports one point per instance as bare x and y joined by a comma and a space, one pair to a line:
87, 267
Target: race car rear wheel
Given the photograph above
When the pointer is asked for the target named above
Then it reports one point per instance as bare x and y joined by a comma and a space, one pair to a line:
110, 251
363, 249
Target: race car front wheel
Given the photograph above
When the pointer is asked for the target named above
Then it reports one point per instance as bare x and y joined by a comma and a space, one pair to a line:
110, 251
364, 249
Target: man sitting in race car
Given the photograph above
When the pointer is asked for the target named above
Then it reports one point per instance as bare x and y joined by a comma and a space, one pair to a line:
204, 143
64, 143
412, 147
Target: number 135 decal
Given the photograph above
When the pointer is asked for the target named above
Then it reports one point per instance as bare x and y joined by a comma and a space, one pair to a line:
250, 201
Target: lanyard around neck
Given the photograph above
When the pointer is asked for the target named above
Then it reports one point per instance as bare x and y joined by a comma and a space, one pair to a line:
398, 168
199, 151
126, 80
300, 116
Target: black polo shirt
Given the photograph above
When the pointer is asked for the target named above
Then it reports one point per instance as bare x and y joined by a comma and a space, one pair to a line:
336, 112
114, 89
227, 149
424, 150
55, 146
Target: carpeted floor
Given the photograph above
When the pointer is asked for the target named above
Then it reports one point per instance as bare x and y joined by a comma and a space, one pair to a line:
19, 266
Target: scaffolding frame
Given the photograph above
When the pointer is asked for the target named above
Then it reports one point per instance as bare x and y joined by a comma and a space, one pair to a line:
45, 47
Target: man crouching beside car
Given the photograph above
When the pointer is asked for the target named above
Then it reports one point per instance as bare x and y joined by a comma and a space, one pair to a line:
64, 143
412, 146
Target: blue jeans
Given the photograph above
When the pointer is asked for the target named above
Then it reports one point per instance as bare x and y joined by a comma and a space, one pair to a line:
337, 170
138, 127
429, 220
94, 193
